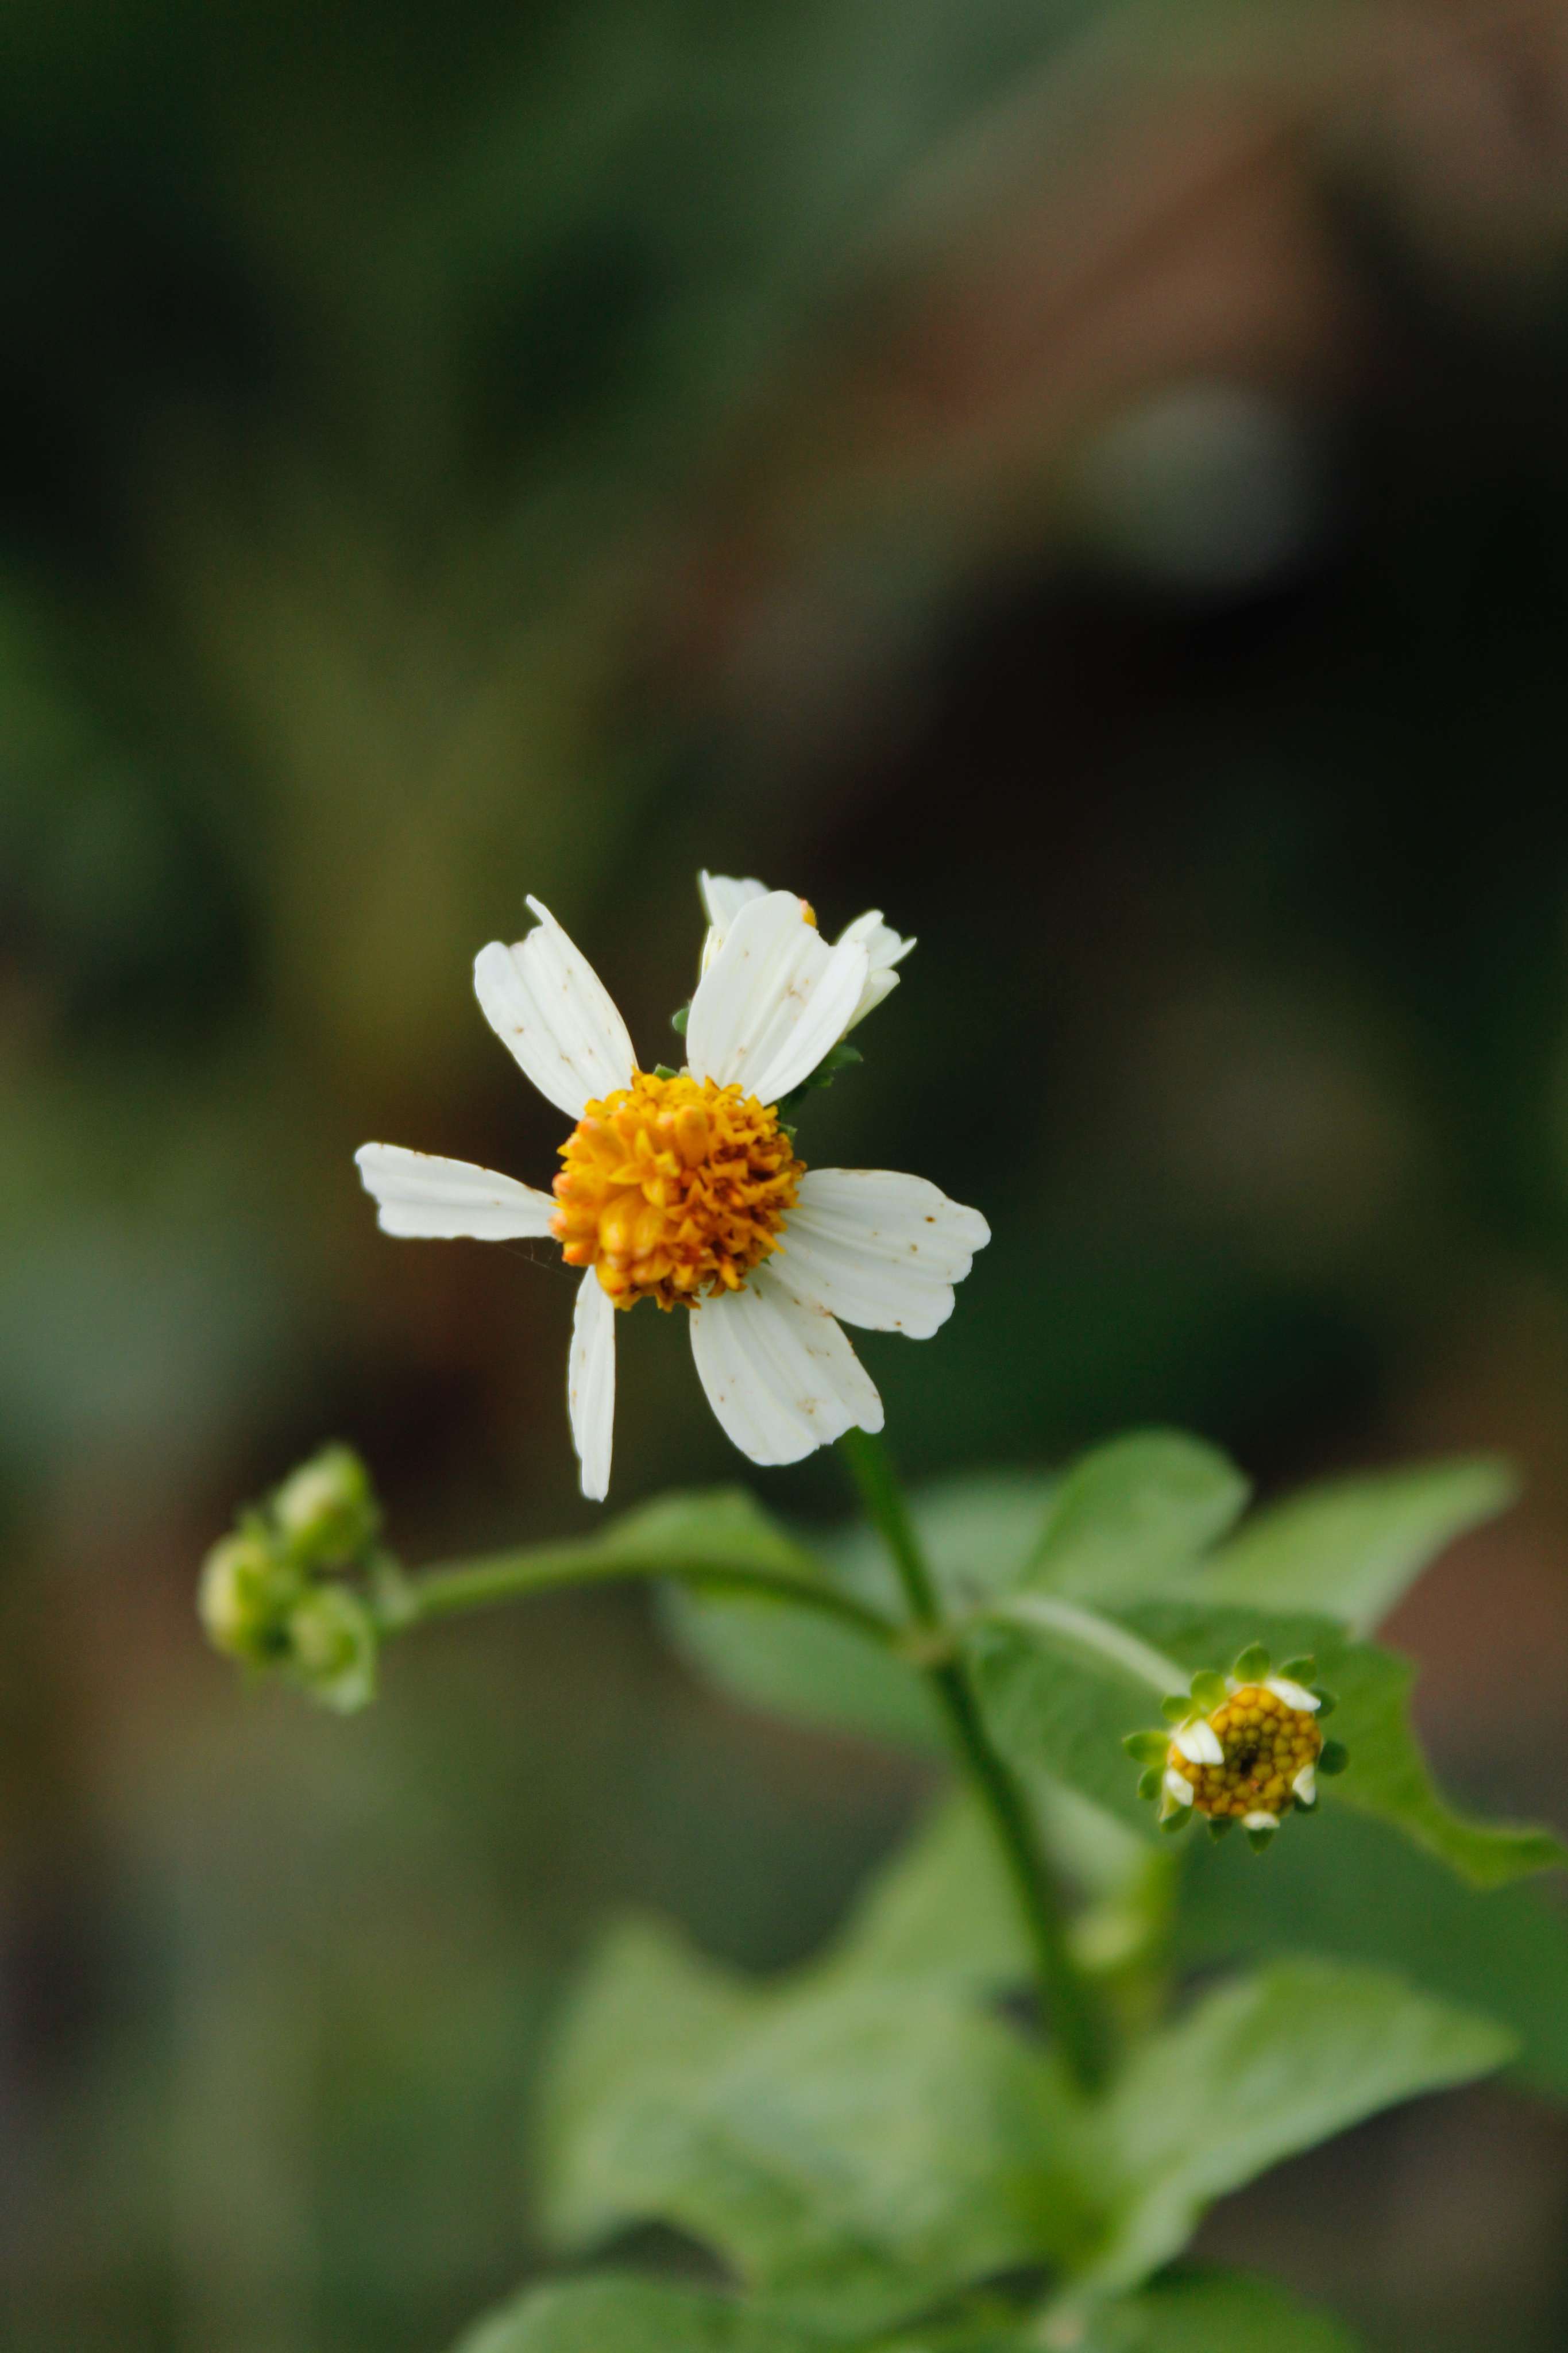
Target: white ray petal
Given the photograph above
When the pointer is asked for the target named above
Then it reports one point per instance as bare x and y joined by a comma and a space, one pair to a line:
1178, 1786
878, 1248
1305, 1784
552, 1011
723, 896
774, 1001
591, 1384
1199, 1743
884, 949
1260, 1821
1293, 1694
781, 1378
419, 1194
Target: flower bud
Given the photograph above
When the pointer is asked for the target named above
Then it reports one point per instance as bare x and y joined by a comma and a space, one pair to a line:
326, 1511
245, 1596
333, 1647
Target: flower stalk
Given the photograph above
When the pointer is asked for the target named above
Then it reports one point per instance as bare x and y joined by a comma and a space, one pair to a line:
1069, 2001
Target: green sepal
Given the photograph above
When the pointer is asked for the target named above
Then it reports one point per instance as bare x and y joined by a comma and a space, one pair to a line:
1177, 1819
1221, 1825
1150, 1781
1209, 1690
678, 1020
1176, 1710
1333, 1757
1253, 1664
1300, 1671
1259, 1839
1147, 1747
663, 1070
1326, 1701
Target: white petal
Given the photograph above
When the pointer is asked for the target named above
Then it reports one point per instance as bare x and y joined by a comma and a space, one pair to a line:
591, 1384
417, 1193
1295, 1696
782, 1378
878, 1248
1260, 1821
1305, 1784
723, 896
549, 1008
1199, 1743
774, 999
1178, 1786
884, 949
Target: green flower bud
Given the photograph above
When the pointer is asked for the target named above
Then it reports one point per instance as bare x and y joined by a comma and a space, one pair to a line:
245, 1597
326, 1512
333, 1648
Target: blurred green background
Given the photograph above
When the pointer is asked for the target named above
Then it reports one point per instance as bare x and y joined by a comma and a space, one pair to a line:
1090, 480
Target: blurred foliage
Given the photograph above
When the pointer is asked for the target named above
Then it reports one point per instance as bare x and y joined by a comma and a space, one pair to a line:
1106, 506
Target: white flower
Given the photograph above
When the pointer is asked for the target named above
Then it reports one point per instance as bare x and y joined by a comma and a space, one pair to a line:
723, 897
687, 1189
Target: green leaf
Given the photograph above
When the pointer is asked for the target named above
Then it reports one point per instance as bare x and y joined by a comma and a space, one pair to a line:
788, 1663
943, 1908
1254, 2073
1354, 1889
1056, 1695
977, 1533
1348, 1549
1215, 2311
721, 1524
855, 2151
623, 2315
1135, 1513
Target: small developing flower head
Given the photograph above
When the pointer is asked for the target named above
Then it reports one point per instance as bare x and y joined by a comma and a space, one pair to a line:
1246, 1747
266, 1599
245, 1593
326, 1511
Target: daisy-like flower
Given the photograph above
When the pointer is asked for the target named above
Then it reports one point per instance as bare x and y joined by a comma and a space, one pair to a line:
685, 1187
1246, 1747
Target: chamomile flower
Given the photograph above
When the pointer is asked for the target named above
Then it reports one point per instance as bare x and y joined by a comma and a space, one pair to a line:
685, 1187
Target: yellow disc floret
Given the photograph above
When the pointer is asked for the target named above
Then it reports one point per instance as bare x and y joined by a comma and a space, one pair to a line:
1267, 1744
673, 1187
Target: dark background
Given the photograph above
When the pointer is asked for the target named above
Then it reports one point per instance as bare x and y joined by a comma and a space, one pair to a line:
1091, 481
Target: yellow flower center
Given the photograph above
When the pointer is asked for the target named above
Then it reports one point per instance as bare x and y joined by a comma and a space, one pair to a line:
1266, 1744
672, 1187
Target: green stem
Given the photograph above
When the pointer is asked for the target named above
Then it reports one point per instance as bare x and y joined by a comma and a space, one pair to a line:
1067, 2001
445, 1591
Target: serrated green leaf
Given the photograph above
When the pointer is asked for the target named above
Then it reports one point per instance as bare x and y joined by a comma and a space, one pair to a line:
855, 2151
1135, 1513
1057, 1702
1355, 1889
1216, 2312
622, 2315
1348, 1549
1254, 2073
